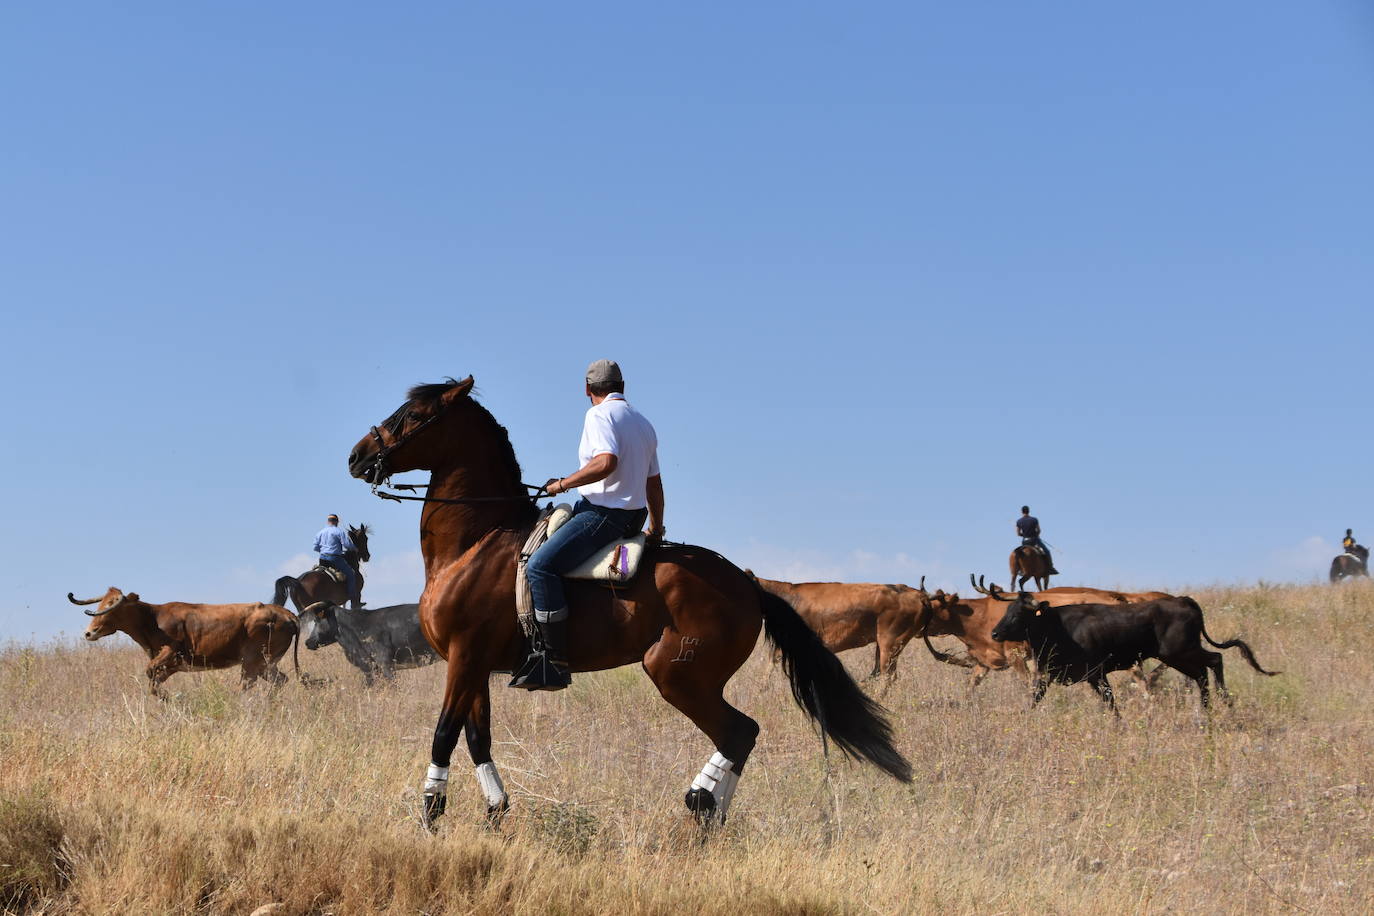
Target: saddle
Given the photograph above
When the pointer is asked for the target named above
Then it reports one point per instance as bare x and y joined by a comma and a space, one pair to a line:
612, 565
1033, 549
332, 573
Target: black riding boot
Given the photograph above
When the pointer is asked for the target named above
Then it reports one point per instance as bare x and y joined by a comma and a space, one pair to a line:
547, 666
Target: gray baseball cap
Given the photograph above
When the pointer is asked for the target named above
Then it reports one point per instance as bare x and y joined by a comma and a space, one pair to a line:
603, 371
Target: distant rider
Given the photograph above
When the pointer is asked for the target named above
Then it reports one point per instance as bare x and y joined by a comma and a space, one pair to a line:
332, 544
1349, 541
1028, 527
620, 486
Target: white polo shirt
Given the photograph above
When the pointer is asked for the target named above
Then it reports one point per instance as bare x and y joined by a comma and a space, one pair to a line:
613, 427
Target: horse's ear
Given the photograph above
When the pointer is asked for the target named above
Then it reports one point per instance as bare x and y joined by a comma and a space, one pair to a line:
461, 390
132, 596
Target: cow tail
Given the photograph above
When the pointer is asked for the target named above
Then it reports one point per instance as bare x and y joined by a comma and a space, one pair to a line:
1244, 650
1230, 643
296, 651
824, 690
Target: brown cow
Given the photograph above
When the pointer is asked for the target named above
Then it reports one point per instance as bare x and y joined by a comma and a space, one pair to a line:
971, 622
848, 615
198, 637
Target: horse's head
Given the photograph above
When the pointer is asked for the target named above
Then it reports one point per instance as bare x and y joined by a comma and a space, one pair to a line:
359, 537
411, 438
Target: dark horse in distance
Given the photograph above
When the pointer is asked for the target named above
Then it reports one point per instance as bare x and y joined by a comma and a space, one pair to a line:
318, 584
1354, 562
689, 616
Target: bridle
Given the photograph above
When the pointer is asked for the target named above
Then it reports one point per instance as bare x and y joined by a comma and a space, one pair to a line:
382, 477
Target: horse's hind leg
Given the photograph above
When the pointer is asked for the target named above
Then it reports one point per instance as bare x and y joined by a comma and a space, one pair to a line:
692, 680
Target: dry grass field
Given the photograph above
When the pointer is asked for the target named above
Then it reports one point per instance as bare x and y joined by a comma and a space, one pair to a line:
218, 802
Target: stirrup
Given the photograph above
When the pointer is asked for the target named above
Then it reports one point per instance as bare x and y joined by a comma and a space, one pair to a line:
539, 673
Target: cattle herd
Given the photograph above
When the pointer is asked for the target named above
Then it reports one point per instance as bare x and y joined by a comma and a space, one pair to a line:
1063, 634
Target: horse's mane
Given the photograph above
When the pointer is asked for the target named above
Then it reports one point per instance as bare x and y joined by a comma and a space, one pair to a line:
428, 395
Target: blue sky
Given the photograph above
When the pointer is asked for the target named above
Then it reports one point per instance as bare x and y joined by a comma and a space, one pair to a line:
879, 273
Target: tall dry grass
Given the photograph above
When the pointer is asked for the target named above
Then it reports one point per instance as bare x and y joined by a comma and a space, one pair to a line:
217, 802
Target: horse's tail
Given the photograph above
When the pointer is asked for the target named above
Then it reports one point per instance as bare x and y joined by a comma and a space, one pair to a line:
290, 586
823, 688
1231, 644
1014, 561
279, 592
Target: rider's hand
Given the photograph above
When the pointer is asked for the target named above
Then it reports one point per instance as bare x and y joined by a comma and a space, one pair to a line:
655, 534
553, 486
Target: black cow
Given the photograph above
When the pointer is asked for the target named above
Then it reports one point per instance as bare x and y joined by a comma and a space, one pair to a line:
375, 642
1083, 642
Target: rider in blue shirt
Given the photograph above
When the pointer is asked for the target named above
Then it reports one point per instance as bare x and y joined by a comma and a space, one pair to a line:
332, 544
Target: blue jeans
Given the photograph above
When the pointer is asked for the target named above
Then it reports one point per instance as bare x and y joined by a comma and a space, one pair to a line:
591, 527
342, 566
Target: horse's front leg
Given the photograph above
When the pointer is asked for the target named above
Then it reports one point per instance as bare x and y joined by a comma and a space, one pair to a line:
460, 691
477, 729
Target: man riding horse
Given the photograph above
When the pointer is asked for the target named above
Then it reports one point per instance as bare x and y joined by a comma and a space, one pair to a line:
1028, 527
690, 618
333, 544
1354, 561
619, 485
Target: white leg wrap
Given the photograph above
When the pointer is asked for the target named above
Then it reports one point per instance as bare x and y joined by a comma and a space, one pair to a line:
492, 787
436, 780
719, 778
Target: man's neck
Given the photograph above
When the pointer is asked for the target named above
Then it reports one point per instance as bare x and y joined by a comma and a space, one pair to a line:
614, 395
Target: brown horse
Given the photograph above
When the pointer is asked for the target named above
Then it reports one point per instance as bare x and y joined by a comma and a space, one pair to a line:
318, 585
690, 617
1028, 563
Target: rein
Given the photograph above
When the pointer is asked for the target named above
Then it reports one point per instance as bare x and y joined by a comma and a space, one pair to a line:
454, 501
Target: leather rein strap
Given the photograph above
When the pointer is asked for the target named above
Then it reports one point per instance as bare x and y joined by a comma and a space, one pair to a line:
454, 501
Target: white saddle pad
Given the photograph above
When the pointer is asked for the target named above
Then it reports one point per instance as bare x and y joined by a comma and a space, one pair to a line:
616, 562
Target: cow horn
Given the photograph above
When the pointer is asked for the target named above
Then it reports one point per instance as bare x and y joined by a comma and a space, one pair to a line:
978, 586
923, 583
107, 610
73, 599
322, 605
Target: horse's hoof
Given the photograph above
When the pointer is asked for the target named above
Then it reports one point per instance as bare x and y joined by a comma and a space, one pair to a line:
702, 804
434, 809
497, 813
